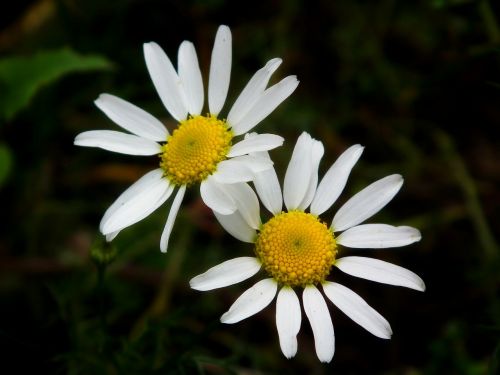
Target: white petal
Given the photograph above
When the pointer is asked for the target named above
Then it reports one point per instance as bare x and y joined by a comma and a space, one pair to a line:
216, 197
377, 236
139, 206
251, 301
190, 76
267, 102
137, 187
220, 70
166, 81
255, 163
252, 91
261, 142
246, 202
111, 236
228, 273
268, 187
298, 173
174, 209
367, 202
380, 271
118, 142
236, 226
335, 179
317, 153
232, 171
358, 310
132, 118
321, 323
288, 318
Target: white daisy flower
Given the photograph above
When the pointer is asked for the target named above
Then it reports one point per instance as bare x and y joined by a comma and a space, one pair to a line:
298, 250
201, 149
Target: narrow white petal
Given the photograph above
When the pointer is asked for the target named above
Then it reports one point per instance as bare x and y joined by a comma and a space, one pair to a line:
367, 202
317, 152
132, 118
251, 301
166, 81
321, 323
118, 142
380, 271
252, 91
334, 181
139, 206
190, 76
231, 171
288, 319
220, 70
377, 236
174, 209
267, 102
236, 226
246, 202
137, 187
228, 273
268, 187
298, 173
358, 310
261, 142
216, 197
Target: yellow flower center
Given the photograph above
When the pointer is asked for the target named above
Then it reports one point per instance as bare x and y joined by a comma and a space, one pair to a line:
296, 248
194, 149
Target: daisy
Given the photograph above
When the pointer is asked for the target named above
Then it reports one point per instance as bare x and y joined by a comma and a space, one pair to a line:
297, 249
201, 149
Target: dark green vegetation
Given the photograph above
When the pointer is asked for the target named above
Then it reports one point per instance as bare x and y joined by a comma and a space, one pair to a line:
416, 82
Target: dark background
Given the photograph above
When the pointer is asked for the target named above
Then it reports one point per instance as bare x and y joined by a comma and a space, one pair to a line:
416, 82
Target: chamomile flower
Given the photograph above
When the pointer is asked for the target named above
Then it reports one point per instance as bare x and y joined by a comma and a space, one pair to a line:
201, 149
297, 250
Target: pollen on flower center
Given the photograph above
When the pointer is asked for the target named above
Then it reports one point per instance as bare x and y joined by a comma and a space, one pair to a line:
296, 249
194, 149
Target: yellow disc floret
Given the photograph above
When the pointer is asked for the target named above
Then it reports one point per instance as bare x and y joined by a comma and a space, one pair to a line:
296, 249
194, 149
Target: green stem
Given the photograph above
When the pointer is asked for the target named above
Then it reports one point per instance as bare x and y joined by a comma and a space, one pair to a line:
161, 303
468, 186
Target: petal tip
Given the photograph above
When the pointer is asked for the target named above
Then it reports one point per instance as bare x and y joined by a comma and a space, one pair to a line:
185, 43
416, 235
359, 148
273, 64
422, 287
226, 319
101, 98
193, 283
224, 28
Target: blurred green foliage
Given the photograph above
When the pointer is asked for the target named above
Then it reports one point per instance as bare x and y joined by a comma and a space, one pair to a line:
5, 163
22, 77
415, 82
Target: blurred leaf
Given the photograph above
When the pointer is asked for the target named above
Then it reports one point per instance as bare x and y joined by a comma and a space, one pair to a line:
22, 77
5, 163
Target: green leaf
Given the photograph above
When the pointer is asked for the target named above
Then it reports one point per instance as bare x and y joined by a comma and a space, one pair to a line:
5, 163
22, 77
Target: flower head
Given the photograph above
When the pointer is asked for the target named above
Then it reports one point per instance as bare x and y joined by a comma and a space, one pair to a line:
201, 149
297, 249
